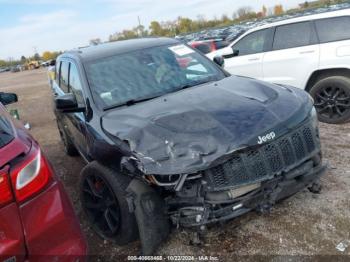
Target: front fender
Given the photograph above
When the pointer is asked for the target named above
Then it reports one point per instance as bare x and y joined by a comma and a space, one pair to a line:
150, 213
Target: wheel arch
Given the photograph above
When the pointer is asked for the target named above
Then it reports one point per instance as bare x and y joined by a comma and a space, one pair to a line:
324, 73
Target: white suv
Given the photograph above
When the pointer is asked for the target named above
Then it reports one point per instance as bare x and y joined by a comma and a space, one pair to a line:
310, 52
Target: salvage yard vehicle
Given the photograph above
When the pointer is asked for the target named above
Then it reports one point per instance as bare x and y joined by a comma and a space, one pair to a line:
209, 45
309, 52
37, 221
173, 143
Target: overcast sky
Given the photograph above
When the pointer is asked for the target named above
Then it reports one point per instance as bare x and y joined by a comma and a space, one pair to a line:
53, 25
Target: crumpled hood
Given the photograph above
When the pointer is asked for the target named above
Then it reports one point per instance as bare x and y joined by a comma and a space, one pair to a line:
190, 130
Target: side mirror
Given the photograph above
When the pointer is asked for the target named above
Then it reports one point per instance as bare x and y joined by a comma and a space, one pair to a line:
234, 53
219, 60
8, 98
67, 104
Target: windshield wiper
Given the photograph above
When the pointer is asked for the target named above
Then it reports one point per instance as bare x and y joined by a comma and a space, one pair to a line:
130, 102
197, 83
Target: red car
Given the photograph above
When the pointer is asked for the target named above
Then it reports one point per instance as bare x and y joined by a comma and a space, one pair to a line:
208, 46
37, 221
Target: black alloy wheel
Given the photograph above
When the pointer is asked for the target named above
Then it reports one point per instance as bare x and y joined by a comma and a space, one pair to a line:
104, 200
101, 205
332, 99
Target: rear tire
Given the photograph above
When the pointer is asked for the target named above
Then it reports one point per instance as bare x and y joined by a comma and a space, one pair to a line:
103, 199
332, 99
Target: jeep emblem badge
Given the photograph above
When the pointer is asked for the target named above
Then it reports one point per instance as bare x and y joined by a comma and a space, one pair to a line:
263, 139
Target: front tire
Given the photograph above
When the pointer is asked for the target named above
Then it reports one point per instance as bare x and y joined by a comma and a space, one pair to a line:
103, 199
332, 99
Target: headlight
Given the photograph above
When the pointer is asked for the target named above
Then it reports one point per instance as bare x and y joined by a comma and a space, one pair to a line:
314, 118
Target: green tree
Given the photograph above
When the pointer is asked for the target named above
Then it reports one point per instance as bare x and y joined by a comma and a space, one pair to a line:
36, 56
185, 25
141, 30
225, 19
129, 34
23, 59
156, 28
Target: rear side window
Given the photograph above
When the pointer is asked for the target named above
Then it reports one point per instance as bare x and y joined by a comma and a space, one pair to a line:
253, 43
75, 84
333, 29
293, 35
64, 76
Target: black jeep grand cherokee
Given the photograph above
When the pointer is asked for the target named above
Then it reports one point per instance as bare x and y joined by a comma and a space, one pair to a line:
171, 138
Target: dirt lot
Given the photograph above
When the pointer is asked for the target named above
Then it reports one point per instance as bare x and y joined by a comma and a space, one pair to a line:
305, 225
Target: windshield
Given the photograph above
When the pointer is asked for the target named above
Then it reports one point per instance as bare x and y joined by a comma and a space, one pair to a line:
148, 73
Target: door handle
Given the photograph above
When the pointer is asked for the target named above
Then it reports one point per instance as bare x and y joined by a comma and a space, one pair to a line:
307, 52
254, 59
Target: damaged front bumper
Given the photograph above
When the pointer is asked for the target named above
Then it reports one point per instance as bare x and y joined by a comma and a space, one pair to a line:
260, 199
253, 178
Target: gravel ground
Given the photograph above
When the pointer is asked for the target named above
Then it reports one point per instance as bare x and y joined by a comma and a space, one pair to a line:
303, 227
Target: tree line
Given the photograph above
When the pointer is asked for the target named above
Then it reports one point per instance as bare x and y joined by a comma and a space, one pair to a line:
46, 56
184, 25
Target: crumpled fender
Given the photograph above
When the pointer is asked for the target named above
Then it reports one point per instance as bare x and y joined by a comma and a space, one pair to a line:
150, 213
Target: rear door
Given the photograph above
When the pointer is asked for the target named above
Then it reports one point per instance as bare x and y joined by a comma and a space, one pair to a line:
334, 35
294, 55
250, 50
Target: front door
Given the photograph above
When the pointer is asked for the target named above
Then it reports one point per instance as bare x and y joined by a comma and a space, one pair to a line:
249, 55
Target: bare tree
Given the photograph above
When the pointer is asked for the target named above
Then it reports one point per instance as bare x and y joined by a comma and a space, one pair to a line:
244, 12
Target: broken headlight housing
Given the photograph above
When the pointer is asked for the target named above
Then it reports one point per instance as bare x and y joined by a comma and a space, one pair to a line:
175, 181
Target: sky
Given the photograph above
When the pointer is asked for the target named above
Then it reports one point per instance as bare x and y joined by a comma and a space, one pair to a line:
58, 25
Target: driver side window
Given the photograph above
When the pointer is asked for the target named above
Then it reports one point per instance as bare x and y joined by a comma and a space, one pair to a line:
75, 84
63, 80
252, 44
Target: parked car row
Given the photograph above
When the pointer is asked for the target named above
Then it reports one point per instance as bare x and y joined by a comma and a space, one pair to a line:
5, 69
230, 32
13, 69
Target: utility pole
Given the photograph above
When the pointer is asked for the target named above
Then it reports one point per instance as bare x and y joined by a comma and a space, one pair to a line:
139, 28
